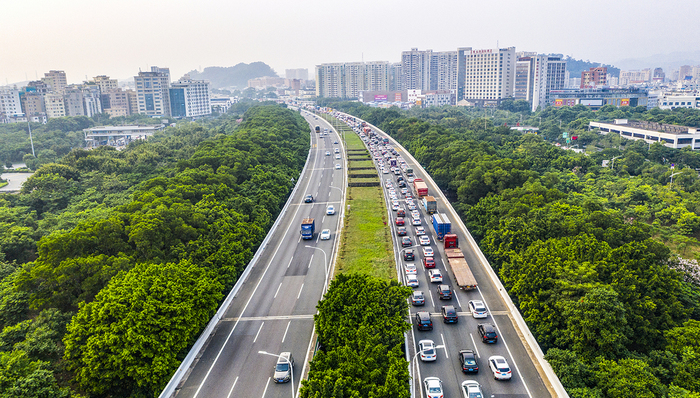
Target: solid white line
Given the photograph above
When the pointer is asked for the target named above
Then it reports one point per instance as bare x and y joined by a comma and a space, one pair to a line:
278, 290
474, 343
290, 261
444, 346
457, 298
266, 385
285, 331
234, 385
257, 334
312, 259
431, 298
493, 319
300, 289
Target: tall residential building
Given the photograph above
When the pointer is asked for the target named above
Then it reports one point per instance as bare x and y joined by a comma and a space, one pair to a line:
73, 101
133, 102
444, 70
116, 103
489, 73
347, 80
10, 104
91, 100
33, 105
536, 76
56, 79
105, 83
396, 77
54, 105
301, 74
152, 91
555, 80
416, 69
684, 71
594, 77
189, 98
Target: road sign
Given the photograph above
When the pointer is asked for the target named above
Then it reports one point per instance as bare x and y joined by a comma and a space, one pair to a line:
564, 134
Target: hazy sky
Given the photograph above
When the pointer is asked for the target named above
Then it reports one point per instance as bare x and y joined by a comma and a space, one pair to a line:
116, 38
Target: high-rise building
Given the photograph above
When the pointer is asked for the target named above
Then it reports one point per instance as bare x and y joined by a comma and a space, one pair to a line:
105, 83
56, 80
152, 90
377, 76
536, 76
190, 98
489, 73
594, 77
33, 105
115, 103
684, 71
54, 105
301, 74
416, 69
444, 70
10, 104
396, 77
73, 101
91, 100
347, 80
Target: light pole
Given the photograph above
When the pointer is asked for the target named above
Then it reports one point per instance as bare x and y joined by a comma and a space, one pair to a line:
671, 185
613, 162
325, 262
291, 369
414, 360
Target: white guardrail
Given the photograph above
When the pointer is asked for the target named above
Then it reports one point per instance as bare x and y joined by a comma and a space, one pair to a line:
528, 339
182, 370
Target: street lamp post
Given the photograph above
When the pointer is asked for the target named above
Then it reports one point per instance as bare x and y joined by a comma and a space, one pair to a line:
414, 360
291, 369
671, 185
325, 261
612, 167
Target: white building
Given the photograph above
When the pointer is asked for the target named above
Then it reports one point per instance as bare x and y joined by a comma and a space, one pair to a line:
671, 136
190, 98
55, 106
10, 105
489, 73
672, 100
347, 80
118, 135
152, 91
416, 69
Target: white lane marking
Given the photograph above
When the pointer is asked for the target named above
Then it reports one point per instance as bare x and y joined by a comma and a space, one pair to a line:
266, 385
234, 385
474, 344
312, 259
444, 346
300, 289
257, 334
299, 240
323, 219
290, 261
278, 290
457, 298
431, 298
285, 331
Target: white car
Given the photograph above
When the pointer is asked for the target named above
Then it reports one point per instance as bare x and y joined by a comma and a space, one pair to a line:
420, 231
337, 156
433, 387
337, 150
412, 281
471, 389
337, 166
411, 269
478, 309
410, 205
428, 252
427, 350
415, 213
499, 367
424, 240
395, 207
416, 221
325, 234
385, 171
330, 210
328, 153
435, 276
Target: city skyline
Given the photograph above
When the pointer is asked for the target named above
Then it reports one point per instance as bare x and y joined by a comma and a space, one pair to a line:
117, 38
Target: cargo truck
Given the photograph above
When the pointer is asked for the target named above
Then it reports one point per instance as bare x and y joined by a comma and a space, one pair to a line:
430, 204
318, 129
420, 187
442, 225
460, 269
450, 241
307, 228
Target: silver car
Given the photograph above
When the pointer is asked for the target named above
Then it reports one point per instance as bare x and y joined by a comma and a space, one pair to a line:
284, 368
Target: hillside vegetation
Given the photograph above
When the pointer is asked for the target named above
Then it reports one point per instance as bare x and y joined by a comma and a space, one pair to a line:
112, 262
580, 248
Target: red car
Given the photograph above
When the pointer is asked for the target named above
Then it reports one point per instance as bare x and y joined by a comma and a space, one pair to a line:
399, 221
428, 262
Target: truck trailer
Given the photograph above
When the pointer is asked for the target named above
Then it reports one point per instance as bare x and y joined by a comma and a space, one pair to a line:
460, 269
442, 225
420, 187
430, 204
307, 228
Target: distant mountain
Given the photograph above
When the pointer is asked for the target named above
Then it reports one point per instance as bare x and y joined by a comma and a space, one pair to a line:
669, 62
576, 66
233, 76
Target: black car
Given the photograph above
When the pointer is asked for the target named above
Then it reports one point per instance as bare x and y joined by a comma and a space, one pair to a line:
444, 292
449, 314
399, 178
467, 360
487, 332
401, 213
402, 184
308, 199
423, 321
408, 255
406, 242
401, 231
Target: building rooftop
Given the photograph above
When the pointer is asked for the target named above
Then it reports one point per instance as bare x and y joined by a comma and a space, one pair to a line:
651, 126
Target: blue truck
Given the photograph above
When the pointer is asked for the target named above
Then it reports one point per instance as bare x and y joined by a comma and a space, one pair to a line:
307, 228
441, 224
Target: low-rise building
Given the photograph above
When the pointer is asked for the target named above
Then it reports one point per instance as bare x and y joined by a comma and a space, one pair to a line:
670, 135
599, 97
118, 136
673, 100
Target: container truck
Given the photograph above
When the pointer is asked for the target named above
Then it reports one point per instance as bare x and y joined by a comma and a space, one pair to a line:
460, 269
307, 228
430, 204
420, 187
450, 241
318, 129
442, 225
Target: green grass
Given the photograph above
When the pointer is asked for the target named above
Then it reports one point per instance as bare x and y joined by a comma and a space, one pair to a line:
366, 246
362, 163
365, 179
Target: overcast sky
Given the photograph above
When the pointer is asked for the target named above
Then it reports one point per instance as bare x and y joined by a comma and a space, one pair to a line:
116, 38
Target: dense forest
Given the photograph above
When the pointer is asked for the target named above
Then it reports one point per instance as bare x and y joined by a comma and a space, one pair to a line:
112, 262
233, 76
601, 261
